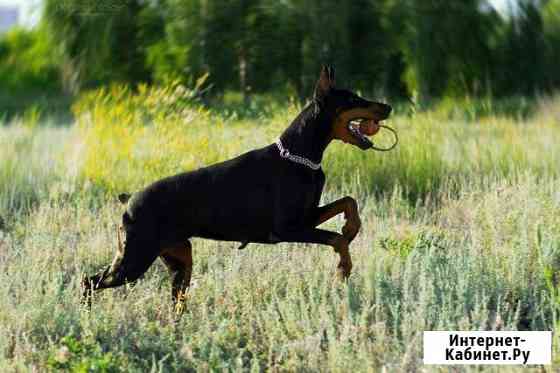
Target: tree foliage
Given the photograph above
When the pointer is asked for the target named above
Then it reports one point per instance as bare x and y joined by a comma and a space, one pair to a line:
428, 48
27, 61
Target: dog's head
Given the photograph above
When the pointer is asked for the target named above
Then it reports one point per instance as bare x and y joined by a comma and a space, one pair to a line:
352, 118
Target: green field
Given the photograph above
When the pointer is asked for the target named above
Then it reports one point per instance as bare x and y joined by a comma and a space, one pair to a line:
461, 231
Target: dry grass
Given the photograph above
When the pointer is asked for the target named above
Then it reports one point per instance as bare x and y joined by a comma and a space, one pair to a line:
478, 249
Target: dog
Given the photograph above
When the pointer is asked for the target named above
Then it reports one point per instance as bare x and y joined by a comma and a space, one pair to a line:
268, 195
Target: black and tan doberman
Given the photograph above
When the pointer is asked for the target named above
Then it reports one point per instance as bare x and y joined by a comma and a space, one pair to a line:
267, 195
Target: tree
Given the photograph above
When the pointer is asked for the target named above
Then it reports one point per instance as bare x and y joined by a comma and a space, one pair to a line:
98, 43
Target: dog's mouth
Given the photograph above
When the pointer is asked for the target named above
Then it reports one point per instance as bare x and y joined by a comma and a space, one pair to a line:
362, 128
356, 125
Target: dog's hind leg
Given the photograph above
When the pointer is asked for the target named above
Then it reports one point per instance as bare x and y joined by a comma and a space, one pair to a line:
179, 262
131, 261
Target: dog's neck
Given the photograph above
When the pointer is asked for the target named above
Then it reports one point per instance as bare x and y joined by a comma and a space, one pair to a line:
309, 134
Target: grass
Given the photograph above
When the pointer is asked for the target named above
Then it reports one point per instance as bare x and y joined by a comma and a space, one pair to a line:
461, 231
31, 167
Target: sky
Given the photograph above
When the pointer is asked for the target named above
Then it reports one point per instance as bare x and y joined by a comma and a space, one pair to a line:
30, 9
501, 5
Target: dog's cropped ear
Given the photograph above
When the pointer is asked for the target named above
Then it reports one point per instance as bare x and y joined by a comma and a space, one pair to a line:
325, 82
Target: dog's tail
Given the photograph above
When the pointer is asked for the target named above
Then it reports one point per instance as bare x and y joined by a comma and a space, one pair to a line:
124, 197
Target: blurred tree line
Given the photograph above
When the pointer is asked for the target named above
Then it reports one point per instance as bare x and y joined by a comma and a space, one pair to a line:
422, 48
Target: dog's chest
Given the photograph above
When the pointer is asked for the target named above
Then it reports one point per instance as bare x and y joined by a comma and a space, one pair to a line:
302, 193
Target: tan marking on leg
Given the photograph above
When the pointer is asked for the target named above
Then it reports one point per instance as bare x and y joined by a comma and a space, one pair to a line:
179, 261
340, 245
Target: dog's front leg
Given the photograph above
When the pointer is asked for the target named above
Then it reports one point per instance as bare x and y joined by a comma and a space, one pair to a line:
346, 205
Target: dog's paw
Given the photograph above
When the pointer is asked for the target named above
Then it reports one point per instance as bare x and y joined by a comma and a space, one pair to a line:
181, 304
180, 308
344, 269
